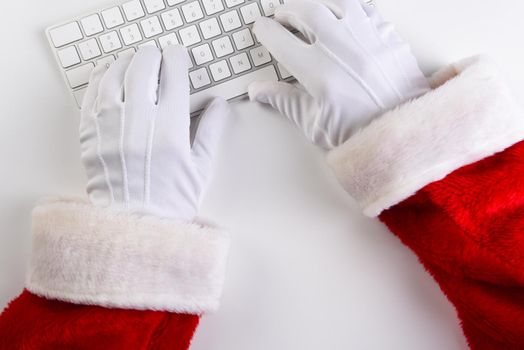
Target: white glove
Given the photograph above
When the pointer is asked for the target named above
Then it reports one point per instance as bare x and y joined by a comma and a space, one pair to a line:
135, 136
353, 67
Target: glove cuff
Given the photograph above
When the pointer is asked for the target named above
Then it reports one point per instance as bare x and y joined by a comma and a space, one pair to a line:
469, 116
87, 255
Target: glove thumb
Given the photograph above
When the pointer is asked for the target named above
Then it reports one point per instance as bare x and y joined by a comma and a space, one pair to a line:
208, 135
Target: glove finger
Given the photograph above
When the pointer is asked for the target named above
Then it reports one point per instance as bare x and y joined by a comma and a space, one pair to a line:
310, 18
173, 100
292, 52
350, 10
208, 136
92, 89
111, 90
141, 81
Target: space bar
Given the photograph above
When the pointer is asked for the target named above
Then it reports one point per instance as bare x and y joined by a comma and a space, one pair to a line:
231, 88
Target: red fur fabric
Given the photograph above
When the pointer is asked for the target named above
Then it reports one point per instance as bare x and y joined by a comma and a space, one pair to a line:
31, 322
468, 231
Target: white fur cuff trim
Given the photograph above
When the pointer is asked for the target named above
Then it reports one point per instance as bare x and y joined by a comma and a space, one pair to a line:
469, 116
87, 255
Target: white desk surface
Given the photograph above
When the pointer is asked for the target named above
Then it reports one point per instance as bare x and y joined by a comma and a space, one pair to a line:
307, 270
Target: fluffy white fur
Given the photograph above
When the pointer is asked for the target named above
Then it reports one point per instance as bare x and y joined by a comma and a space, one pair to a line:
83, 254
468, 116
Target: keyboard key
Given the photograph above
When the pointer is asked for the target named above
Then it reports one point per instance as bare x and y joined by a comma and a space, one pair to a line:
210, 28
202, 54
92, 25
106, 60
174, 2
166, 40
189, 36
89, 49
79, 96
269, 6
250, 13
110, 42
222, 46
220, 70
230, 21
131, 34
243, 39
199, 78
284, 73
68, 56
231, 3
65, 34
151, 26
80, 75
240, 63
213, 6
172, 19
133, 10
149, 43
112, 17
192, 11
153, 6
231, 88
260, 56
127, 52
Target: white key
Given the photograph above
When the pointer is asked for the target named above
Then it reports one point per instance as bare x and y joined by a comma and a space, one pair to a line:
127, 52
199, 78
166, 40
174, 2
250, 13
210, 28
202, 54
231, 88
106, 60
243, 39
92, 25
65, 34
131, 34
133, 10
80, 75
192, 11
284, 73
172, 19
68, 56
220, 70
230, 21
112, 17
151, 26
213, 6
79, 96
89, 49
240, 63
148, 43
260, 56
222, 46
269, 6
153, 6
189, 36
231, 3
110, 42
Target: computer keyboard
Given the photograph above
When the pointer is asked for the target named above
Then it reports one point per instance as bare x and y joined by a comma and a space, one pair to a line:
225, 55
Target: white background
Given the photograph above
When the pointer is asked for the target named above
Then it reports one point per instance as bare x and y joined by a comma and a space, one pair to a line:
307, 271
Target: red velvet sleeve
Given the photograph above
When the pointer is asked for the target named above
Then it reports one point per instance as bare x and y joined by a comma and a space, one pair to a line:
32, 322
468, 231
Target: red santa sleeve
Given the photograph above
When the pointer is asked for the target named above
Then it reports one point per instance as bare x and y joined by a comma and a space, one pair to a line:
445, 173
104, 280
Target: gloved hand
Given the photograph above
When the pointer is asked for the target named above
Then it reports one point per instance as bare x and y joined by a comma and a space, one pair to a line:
135, 136
352, 66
